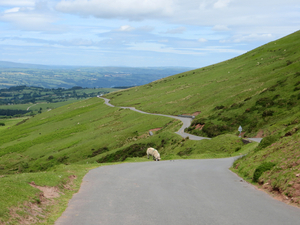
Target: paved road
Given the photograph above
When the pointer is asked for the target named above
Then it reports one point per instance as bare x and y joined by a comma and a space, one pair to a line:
186, 123
173, 192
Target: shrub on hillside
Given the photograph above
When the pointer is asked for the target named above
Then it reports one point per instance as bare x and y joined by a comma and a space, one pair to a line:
265, 166
267, 141
185, 152
219, 107
135, 150
264, 102
200, 121
297, 88
297, 74
268, 113
213, 130
99, 151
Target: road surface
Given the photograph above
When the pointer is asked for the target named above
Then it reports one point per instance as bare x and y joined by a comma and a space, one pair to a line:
173, 192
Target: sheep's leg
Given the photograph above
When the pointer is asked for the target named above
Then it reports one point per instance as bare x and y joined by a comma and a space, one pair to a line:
148, 156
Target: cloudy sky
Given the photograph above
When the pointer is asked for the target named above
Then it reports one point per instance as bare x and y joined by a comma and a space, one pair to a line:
192, 33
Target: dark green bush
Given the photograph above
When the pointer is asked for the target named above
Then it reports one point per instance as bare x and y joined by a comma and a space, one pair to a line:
224, 118
265, 142
297, 74
268, 113
236, 105
297, 83
265, 166
186, 152
237, 149
247, 99
288, 62
2, 124
273, 88
297, 88
135, 150
219, 107
62, 159
213, 130
99, 151
265, 102
282, 82
198, 121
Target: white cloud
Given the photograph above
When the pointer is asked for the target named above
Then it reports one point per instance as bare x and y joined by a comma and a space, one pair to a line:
37, 18
130, 9
238, 15
126, 28
252, 37
202, 40
221, 3
17, 2
12, 10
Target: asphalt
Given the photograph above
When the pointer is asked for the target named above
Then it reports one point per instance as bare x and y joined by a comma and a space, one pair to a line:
173, 192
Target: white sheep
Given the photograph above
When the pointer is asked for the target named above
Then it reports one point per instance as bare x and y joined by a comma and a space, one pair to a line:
154, 153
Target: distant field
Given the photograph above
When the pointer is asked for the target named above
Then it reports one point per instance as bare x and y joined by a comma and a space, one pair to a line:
14, 74
11, 122
23, 100
36, 106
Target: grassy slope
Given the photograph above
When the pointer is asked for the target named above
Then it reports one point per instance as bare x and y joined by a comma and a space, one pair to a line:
69, 140
262, 73
72, 139
258, 90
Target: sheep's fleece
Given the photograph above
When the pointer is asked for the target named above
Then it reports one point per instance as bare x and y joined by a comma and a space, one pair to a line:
154, 153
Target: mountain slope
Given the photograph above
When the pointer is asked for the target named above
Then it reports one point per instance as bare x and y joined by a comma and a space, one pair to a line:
259, 91
262, 84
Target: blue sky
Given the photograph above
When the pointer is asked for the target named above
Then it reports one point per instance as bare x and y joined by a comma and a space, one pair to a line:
140, 32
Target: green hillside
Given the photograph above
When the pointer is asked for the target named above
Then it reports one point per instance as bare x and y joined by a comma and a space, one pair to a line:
254, 90
53, 147
258, 90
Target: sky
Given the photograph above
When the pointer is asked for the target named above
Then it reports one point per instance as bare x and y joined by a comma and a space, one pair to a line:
140, 33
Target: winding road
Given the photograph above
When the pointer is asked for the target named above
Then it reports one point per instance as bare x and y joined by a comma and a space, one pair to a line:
173, 193
186, 123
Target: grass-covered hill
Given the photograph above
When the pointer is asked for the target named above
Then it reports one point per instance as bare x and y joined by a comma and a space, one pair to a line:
258, 90
53, 147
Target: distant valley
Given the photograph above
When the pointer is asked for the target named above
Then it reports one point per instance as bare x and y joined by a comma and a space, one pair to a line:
18, 74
